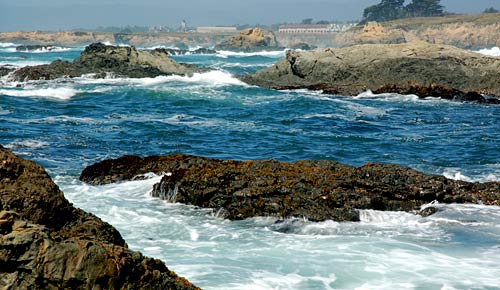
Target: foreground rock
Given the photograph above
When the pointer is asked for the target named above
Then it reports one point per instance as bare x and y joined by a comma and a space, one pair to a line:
100, 59
420, 68
250, 40
317, 190
46, 243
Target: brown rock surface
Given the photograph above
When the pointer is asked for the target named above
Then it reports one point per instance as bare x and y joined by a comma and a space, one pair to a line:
317, 190
410, 68
250, 40
46, 243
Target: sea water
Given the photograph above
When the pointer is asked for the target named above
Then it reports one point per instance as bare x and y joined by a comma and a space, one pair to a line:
66, 125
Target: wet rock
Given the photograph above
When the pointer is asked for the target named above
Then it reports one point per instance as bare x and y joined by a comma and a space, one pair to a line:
29, 48
316, 190
100, 59
250, 40
46, 243
5, 70
427, 70
175, 51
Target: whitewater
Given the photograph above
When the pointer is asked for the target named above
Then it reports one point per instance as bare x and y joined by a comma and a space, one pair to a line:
66, 125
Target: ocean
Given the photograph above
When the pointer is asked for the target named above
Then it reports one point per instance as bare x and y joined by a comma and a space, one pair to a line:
67, 124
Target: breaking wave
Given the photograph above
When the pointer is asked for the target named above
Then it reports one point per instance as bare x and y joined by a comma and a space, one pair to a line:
494, 51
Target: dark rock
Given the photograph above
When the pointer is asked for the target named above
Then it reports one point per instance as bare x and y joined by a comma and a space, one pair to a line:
303, 46
46, 243
175, 51
316, 190
100, 59
427, 70
250, 40
5, 70
29, 48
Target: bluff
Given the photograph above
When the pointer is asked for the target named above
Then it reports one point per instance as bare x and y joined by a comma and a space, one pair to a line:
420, 68
46, 243
250, 40
100, 59
316, 190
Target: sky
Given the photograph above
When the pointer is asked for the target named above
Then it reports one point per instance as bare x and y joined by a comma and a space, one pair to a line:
73, 14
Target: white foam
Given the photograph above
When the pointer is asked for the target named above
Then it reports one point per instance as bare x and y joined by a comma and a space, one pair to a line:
48, 49
494, 51
386, 96
28, 143
23, 63
62, 93
8, 44
274, 54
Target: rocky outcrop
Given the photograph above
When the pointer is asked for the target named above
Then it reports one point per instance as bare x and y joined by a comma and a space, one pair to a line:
5, 70
470, 31
250, 40
316, 190
46, 243
100, 59
427, 70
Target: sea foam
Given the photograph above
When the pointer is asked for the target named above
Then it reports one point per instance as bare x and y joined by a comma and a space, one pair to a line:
61, 93
494, 51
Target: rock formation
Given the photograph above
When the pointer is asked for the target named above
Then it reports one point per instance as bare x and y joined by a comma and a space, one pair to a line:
101, 59
250, 40
46, 243
181, 51
28, 48
317, 190
427, 70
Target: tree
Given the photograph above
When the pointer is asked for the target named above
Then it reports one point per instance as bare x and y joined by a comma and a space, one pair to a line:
307, 21
490, 10
424, 8
384, 11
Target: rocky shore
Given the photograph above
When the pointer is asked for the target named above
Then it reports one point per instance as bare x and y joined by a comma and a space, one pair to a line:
46, 243
316, 190
420, 68
100, 59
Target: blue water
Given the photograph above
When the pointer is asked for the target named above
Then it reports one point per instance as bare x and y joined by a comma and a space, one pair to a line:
66, 125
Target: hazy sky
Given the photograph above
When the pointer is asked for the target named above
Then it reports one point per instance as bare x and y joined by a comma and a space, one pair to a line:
69, 14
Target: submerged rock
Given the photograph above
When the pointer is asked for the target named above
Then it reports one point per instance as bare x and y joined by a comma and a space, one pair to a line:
46, 243
316, 190
250, 40
427, 70
5, 70
100, 59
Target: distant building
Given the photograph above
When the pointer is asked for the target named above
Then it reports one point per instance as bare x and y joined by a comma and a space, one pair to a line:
216, 29
314, 28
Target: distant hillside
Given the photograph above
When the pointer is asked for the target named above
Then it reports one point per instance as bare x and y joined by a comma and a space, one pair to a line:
472, 31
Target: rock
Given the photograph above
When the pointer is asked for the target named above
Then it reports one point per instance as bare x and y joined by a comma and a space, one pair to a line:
46, 243
303, 46
316, 190
250, 40
5, 70
427, 70
100, 59
175, 51
29, 48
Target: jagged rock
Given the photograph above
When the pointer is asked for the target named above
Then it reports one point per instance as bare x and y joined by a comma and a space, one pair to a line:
175, 51
250, 40
28, 48
411, 68
5, 70
46, 243
317, 190
303, 46
101, 59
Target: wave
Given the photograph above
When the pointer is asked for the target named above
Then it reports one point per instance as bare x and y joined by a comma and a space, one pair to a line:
211, 78
274, 54
62, 93
8, 44
23, 63
48, 49
29, 143
494, 51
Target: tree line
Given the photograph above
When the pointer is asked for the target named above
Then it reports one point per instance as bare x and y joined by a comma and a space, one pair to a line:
396, 9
